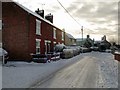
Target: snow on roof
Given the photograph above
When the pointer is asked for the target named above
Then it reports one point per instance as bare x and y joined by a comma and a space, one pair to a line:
70, 36
33, 13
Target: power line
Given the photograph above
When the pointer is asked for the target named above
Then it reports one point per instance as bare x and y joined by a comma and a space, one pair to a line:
69, 13
72, 16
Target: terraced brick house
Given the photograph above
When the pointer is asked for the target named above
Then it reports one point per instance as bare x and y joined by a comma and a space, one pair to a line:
25, 32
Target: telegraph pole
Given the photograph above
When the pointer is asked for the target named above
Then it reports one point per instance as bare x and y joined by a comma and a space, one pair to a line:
82, 34
82, 37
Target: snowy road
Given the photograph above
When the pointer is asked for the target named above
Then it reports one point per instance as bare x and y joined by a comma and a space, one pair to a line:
92, 71
87, 70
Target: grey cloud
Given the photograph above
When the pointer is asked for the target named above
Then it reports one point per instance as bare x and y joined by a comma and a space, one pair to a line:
72, 7
106, 10
50, 10
55, 7
101, 30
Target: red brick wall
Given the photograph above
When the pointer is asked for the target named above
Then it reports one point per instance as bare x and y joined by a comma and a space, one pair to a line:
32, 35
19, 32
46, 34
15, 31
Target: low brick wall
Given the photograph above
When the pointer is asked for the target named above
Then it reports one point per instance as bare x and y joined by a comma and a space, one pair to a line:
117, 56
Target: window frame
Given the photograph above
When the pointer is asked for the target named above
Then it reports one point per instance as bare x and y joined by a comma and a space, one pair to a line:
38, 47
38, 27
54, 33
62, 36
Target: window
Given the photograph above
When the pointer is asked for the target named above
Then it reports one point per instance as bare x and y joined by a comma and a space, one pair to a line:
54, 33
63, 36
38, 27
38, 46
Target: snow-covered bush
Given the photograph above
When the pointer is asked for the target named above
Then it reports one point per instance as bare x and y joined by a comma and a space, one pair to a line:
59, 47
76, 49
68, 53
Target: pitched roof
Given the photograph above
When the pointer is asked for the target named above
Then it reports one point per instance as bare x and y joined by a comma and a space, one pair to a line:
35, 14
31, 12
70, 36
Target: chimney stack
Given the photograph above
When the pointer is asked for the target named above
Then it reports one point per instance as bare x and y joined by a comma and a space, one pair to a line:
49, 17
40, 12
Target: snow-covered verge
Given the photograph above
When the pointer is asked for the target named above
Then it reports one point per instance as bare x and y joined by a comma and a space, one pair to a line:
25, 75
108, 71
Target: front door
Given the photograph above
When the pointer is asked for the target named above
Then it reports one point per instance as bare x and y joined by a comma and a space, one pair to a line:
47, 47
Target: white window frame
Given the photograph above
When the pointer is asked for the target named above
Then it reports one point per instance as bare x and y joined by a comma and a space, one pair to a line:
54, 42
38, 47
54, 33
62, 36
47, 41
38, 27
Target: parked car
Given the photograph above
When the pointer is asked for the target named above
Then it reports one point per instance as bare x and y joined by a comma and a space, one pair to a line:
3, 55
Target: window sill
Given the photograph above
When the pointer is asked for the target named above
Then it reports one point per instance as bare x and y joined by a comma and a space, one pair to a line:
38, 34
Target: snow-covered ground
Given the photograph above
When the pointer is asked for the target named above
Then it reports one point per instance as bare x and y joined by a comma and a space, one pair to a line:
108, 71
0, 74
25, 75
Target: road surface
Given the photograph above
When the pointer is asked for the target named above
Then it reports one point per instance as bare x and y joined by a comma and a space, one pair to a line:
85, 73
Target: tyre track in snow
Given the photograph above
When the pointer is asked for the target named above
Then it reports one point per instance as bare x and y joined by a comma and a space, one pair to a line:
95, 70
82, 74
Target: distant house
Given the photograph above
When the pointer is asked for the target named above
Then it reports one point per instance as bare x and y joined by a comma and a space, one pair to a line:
69, 39
88, 42
26, 32
85, 41
80, 42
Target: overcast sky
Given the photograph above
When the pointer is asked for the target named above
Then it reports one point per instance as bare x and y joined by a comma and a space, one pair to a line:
98, 18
